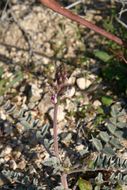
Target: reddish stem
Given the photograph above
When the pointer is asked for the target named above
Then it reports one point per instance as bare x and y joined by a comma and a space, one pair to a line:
55, 135
56, 148
52, 4
64, 181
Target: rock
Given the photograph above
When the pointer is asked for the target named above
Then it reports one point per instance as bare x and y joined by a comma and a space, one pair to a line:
124, 155
13, 34
2, 161
70, 92
97, 103
14, 2
45, 104
6, 151
70, 106
3, 115
38, 163
8, 129
67, 139
35, 94
61, 113
124, 187
32, 170
76, 72
13, 165
16, 154
20, 128
80, 147
83, 83
72, 80
22, 164
7, 157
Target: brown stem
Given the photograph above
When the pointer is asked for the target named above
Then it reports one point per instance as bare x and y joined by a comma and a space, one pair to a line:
56, 148
52, 4
64, 181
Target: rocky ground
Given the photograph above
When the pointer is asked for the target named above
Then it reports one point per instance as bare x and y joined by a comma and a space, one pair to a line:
33, 42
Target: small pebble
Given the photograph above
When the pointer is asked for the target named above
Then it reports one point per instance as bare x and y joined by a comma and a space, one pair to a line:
83, 83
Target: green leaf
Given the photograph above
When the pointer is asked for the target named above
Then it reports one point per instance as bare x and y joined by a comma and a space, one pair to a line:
119, 134
118, 187
104, 136
98, 162
7, 83
26, 125
18, 77
107, 100
51, 161
99, 178
91, 164
111, 128
108, 150
102, 55
84, 185
1, 71
97, 187
121, 124
97, 143
100, 111
125, 179
115, 142
115, 110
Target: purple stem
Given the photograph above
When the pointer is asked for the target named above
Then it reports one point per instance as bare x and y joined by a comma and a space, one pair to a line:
56, 148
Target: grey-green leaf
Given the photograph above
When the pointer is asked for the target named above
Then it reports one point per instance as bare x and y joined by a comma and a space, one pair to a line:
111, 128
108, 150
97, 143
104, 136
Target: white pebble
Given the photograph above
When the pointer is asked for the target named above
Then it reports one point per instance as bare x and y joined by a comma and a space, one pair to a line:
83, 83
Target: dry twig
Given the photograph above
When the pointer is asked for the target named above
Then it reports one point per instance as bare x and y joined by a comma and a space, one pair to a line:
52, 4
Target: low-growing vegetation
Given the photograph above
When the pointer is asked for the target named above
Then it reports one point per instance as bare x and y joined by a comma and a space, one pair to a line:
63, 113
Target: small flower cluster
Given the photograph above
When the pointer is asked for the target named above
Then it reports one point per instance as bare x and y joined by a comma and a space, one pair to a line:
60, 83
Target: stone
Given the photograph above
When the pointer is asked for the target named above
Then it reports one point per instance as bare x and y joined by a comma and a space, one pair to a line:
35, 93
14, 2
60, 115
8, 129
83, 83
72, 80
22, 164
45, 104
16, 154
80, 147
7, 158
20, 128
124, 187
67, 139
70, 92
3, 115
6, 151
2, 161
13, 165
70, 106
32, 170
97, 103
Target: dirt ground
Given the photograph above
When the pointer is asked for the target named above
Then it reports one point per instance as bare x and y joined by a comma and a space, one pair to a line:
33, 41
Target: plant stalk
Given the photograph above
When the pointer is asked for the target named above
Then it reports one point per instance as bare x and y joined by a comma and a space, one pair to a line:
56, 147
55, 134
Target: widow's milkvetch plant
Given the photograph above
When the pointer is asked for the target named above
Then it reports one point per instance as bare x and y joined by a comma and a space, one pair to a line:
60, 84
